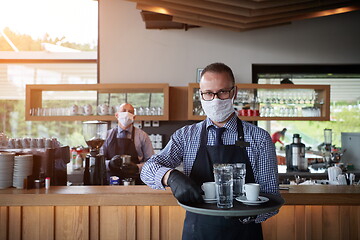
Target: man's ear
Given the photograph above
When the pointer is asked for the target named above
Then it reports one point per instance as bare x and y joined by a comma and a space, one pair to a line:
235, 92
116, 115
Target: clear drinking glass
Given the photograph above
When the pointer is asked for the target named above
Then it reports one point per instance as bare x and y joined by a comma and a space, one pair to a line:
239, 173
223, 174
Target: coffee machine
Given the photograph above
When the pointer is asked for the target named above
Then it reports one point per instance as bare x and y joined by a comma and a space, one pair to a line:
95, 170
295, 155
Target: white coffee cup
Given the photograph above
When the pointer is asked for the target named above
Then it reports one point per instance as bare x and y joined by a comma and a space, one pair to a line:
87, 109
103, 109
209, 189
252, 191
74, 109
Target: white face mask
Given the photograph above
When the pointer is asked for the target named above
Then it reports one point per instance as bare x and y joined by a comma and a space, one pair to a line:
218, 110
125, 118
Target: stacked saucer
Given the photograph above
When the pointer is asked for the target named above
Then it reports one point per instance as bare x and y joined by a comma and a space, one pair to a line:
6, 169
23, 166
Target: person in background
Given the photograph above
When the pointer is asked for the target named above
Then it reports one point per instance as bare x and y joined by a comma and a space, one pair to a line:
286, 81
278, 135
126, 139
195, 146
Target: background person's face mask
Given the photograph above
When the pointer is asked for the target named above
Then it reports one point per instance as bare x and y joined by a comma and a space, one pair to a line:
125, 118
218, 110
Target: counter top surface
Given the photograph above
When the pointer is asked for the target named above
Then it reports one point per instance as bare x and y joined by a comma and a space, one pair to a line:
145, 196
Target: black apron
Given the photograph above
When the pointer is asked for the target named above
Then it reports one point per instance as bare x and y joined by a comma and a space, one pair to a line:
123, 146
198, 226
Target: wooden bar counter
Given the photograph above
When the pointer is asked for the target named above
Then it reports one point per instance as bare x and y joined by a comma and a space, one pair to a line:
138, 212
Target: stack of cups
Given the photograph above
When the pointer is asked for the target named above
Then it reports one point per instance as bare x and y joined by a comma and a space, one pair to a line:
6, 169
23, 167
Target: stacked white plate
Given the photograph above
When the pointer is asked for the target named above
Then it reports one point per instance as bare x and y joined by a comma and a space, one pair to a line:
23, 166
6, 169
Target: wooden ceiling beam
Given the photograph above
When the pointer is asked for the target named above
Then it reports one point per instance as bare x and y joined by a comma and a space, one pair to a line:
298, 7
170, 7
199, 6
217, 26
290, 16
212, 5
213, 21
205, 24
258, 5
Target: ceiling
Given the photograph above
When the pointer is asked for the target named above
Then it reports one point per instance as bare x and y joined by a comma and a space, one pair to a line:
235, 15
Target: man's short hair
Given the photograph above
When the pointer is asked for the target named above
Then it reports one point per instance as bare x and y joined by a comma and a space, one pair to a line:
219, 68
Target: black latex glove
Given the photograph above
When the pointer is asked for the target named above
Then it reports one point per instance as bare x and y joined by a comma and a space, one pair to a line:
183, 188
115, 163
130, 168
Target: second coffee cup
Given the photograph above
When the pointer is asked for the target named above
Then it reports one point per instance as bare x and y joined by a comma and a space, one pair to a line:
209, 189
252, 191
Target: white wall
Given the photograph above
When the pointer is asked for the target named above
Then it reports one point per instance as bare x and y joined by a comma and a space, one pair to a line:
131, 54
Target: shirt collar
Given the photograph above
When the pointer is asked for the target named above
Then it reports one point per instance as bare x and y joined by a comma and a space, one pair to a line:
231, 125
119, 129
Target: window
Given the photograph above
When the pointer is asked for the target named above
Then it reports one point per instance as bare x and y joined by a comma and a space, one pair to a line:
344, 81
45, 42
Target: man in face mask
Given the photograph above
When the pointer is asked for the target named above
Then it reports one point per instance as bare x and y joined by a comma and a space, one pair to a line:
125, 139
221, 138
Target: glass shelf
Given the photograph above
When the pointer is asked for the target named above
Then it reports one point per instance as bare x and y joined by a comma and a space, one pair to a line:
257, 102
83, 102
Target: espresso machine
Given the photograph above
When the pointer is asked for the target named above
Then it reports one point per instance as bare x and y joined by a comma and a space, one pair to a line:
95, 170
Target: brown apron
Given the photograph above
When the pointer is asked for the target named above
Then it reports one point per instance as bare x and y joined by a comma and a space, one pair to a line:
123, 146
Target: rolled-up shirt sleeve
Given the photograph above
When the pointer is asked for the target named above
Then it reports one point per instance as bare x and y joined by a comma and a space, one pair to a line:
169, 158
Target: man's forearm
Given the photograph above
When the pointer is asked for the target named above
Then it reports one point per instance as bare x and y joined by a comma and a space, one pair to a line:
166, 177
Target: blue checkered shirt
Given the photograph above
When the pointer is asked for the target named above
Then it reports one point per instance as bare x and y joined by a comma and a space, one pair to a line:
185, 142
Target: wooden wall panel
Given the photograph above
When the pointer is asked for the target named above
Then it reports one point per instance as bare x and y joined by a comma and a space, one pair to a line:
355, 222
94, 221
3, 222
164, 221
308, 225
113, 223
155, 222
331, 223
316, 222
143, 220
176, 222
299, 218
15, 223
286, 223
344, 222
131, 222
38, 223
269, 228
72, 222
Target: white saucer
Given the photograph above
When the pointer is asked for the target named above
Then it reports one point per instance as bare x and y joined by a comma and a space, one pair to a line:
260, 200
209, 200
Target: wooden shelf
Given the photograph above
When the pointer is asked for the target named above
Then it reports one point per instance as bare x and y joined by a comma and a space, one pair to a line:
34, 99
323, 92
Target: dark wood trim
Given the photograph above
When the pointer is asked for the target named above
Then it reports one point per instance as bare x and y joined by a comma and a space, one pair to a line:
302, 68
